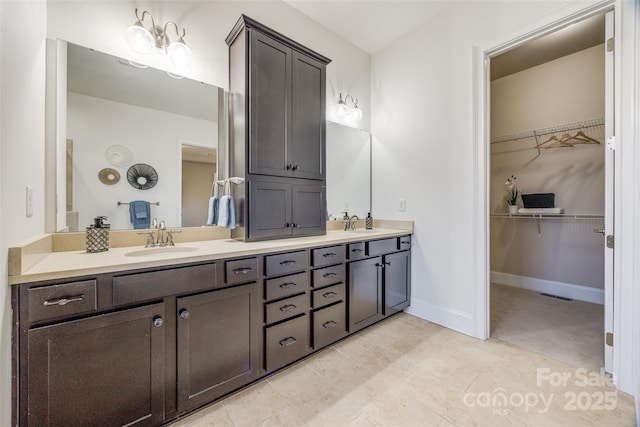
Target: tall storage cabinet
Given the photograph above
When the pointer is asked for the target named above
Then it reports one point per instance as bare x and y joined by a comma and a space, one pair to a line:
277, 138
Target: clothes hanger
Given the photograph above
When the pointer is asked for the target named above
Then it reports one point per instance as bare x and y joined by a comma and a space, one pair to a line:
584, 139
562, 142
550, 139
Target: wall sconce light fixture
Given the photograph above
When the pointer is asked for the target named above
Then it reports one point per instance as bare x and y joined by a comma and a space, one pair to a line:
343, 112
143, 40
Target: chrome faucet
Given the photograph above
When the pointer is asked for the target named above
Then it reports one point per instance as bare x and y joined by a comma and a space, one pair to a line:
351, 225
159, 239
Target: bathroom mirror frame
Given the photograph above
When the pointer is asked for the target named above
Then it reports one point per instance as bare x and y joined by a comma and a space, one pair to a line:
55, 109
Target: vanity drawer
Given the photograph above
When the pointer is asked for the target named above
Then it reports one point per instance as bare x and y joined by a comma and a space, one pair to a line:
329, 325
356, 251
157, 284
286, 342
328, 275
405, 242
328, 256
66, 299
286, 308
380, 247
285, 286
328, 295
291, 262
241, 271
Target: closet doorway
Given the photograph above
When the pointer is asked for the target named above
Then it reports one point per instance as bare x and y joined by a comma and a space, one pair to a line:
551, 275
198, 171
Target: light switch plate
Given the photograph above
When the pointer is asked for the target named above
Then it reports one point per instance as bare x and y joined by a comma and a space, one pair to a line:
402, 205
29, 201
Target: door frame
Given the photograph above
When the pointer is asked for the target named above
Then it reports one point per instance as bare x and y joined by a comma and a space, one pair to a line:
481, 100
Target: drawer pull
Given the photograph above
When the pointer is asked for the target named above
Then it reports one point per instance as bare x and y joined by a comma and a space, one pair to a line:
405, 243
63, 301
288, 285
287, 308
357, 250
243, 270
330, 255
288, 341
287, 262
327, 275
330, 324
330, 295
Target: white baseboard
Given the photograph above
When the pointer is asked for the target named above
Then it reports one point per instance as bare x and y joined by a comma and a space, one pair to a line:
448, 317
561, 289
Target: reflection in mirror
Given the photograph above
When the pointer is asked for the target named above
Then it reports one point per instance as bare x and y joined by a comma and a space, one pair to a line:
121, 114
348, 171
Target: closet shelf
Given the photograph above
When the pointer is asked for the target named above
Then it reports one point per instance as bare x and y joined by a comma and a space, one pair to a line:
546, 216
585, 124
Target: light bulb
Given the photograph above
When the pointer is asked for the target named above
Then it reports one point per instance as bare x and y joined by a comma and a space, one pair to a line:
342, 110
179, 53
355, 115
139, 39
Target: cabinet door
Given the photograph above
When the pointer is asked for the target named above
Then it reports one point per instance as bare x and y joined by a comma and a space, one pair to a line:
309, 213
270, 106
365, 293
269, 209
306, 146
397, 283
218, 344
103, 370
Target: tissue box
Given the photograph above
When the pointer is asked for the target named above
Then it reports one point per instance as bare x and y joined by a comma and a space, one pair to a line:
539, 200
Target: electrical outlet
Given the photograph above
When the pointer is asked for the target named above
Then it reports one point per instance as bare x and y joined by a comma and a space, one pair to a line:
402, 205
29, 201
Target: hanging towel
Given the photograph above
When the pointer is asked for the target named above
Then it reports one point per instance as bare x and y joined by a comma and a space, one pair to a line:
223, 211
232, 215
140, 214
212, 217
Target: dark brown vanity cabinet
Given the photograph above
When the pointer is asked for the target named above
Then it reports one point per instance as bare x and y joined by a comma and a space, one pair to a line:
277, 119
328, 295
102, 370
218, 343
286, 308
379, 285
283, 209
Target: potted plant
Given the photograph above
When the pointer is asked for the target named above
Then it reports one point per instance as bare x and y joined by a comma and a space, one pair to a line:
512, 194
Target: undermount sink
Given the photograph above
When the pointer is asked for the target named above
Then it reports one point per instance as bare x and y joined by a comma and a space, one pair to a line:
160, 251
363, 230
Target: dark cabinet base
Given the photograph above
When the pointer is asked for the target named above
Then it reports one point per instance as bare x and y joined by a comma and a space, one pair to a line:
122, 351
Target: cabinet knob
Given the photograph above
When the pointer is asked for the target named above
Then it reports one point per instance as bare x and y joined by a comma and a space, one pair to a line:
157, 321
294, 167
387, 263
184, 313
289, 167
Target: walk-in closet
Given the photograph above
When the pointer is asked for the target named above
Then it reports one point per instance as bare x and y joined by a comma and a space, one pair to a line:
548, 154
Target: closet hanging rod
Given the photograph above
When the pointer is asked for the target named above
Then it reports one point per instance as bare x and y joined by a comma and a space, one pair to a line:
585, 124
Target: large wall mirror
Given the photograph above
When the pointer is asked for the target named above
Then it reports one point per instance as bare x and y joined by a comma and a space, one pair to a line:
348, 171
127, 132
112, 115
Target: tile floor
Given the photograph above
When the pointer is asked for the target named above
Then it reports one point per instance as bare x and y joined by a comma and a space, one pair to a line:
571, 331
406, 371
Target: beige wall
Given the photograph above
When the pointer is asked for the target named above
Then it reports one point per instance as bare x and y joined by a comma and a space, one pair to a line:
566, 90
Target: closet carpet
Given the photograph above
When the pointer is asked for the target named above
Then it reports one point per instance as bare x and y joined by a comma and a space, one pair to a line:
570, 331
408, 372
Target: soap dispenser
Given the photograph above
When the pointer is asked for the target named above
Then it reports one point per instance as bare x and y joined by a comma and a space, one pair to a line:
369, 222
98, 235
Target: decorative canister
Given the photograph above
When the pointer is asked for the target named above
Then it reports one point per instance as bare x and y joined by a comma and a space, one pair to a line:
98, 235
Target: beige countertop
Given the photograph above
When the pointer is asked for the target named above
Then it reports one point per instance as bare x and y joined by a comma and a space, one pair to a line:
66, 264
